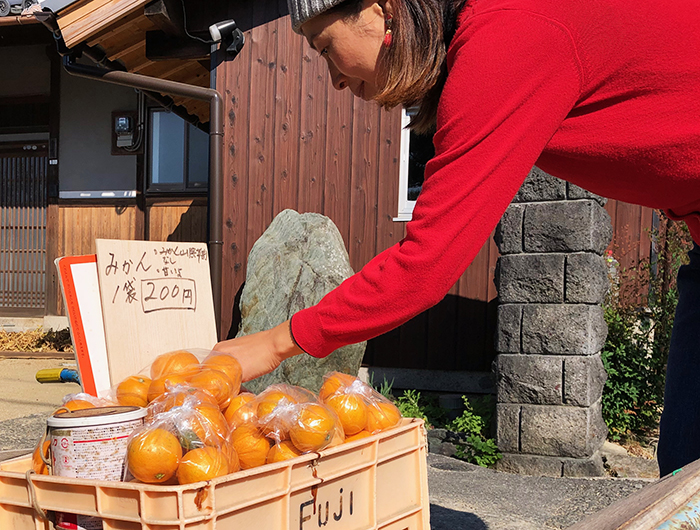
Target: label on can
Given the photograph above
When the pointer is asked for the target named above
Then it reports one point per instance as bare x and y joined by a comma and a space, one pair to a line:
91, 452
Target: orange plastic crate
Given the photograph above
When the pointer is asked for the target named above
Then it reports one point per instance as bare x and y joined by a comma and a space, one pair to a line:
379, 482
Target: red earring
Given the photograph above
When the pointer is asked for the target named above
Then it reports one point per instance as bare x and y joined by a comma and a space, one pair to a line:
387, 36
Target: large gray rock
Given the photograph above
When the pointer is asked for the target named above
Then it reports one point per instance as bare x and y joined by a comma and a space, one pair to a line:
295, 263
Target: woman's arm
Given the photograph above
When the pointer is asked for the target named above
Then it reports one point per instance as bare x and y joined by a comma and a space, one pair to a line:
513, 78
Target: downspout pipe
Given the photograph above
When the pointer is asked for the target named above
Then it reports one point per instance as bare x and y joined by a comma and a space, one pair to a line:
216, 150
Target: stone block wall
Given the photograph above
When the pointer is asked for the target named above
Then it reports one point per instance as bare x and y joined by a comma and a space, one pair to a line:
551, 279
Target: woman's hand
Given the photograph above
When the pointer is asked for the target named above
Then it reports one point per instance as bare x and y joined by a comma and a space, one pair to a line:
262, 352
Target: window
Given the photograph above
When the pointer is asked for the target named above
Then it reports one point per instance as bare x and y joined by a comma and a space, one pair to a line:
178, 154
416, 150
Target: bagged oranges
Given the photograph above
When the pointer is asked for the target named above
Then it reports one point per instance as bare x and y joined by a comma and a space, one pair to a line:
358, 406
199, 427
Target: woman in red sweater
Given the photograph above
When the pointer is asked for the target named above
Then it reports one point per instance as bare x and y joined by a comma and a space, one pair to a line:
603, 93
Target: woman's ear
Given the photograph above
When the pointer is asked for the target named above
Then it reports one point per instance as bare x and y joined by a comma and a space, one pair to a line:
386, 6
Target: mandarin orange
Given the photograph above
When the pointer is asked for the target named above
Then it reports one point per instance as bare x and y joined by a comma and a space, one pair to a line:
382, 415
159, 386
209, 424
351, 411
358, 436
227, 364
333, 382
153, 455
233, 463
282, 451
236, 403
250, 445
179, 396
133, 391
172, 363
313, 428
204, 463
78, 404
216, 382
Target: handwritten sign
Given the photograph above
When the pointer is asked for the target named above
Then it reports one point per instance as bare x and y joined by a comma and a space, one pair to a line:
156, 297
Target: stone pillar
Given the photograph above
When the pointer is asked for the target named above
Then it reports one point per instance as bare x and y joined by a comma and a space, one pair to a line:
551, 279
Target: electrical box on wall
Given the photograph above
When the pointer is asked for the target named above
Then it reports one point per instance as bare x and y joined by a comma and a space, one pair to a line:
126, 133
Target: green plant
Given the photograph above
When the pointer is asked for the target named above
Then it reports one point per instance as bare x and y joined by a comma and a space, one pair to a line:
640, 318
384, 388
479, 451
413, 405
479, 448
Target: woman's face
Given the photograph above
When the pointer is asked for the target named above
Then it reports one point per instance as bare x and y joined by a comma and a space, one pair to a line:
351, 47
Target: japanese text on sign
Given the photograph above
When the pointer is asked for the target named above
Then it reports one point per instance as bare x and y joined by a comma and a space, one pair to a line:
165, 287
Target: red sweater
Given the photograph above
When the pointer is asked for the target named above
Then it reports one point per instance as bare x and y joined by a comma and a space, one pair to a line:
602, 93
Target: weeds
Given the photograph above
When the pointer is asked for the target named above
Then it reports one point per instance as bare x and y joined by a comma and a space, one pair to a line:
639, 313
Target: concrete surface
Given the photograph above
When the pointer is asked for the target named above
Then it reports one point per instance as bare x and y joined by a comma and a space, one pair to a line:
21, 395
462, 496
468, 497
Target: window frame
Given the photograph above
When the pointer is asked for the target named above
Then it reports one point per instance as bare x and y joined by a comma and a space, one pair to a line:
405, 206
185, 187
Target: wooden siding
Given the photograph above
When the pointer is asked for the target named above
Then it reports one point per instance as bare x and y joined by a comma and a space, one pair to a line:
79, 226
178, 221
631, 230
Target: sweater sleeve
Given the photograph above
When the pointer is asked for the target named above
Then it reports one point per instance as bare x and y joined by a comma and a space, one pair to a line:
513, 78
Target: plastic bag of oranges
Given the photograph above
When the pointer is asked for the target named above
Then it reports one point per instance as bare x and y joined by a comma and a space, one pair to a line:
185, 442
281, 422
214, 372
82, 400
362, 410
276, 407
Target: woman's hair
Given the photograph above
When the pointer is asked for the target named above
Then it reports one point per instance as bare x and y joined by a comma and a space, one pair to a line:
414, 67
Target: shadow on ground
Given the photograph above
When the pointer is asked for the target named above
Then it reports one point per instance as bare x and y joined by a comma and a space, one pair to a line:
446, 519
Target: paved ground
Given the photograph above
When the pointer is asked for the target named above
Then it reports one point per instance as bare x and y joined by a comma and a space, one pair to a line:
462, 496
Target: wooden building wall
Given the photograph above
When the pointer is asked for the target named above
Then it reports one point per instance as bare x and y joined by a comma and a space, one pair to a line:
177, 220
78, 225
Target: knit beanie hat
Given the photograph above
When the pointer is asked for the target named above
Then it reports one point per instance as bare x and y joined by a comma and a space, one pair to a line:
303, 10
